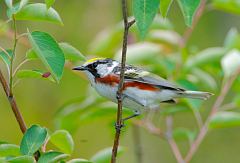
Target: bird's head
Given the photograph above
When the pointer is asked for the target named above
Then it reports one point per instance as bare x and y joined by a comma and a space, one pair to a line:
97, 67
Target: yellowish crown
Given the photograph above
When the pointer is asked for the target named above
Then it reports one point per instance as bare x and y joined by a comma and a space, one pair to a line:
93, 60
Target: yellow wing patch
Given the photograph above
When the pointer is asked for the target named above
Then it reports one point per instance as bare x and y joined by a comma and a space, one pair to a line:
93, 60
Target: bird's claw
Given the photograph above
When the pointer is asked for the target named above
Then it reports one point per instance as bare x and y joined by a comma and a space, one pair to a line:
118, 96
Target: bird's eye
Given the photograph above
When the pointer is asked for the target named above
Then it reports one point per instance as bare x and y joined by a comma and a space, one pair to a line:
95, 64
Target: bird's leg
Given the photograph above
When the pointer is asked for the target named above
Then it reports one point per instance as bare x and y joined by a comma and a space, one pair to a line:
136, 113
118, 127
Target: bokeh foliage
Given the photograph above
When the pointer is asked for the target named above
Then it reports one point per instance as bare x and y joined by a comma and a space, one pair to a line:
191, 67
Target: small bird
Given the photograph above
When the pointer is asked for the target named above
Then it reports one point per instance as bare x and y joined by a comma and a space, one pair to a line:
141, 89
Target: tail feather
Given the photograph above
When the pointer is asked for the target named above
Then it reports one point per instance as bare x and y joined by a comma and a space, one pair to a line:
196, 95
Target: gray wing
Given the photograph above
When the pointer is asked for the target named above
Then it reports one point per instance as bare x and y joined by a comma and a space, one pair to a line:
136, 74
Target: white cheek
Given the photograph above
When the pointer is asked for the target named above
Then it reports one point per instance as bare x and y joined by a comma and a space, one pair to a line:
90, 77
103, 69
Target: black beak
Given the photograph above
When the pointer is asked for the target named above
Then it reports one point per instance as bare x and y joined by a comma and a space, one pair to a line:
80, 68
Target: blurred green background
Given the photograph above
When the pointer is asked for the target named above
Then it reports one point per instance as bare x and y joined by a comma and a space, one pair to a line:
40, 100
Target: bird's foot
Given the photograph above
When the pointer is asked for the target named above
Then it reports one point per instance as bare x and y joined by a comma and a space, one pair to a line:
118, 127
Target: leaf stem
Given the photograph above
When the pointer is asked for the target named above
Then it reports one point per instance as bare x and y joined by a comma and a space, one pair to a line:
19, 66
8, 55
13, 55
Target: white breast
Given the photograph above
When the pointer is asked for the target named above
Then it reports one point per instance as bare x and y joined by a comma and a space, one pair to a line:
106, 91
138, 99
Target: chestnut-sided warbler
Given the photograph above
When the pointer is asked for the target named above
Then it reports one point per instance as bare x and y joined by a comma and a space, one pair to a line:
141, 89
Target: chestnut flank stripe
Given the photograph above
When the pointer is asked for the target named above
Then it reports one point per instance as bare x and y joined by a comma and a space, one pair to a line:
113, 80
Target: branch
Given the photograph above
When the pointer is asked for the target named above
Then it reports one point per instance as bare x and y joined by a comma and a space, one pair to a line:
8, 88
119, 122
13, 104
166, 136
203, 131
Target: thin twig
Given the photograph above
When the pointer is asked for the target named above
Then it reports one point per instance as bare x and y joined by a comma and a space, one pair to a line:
21, 36
119, 122
172, 142
10, 34
19, 66
202, 133
166, 136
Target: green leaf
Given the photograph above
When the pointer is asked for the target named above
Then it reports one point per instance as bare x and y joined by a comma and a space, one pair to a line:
21, 159
231, 6
31, 54
49, 52
62, 140
5, 57
144, 12
9, 150
104, 155
49, 3
167, 37
232, 39
188, 8
13, 10
25, 74
8, 3
22, 4
164, 7
225, 119
33, 139
38, 12
205, 78
71, 53
141, 51
182, 134
205, 57
231, 63
79, 160
52, 157
16, 8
